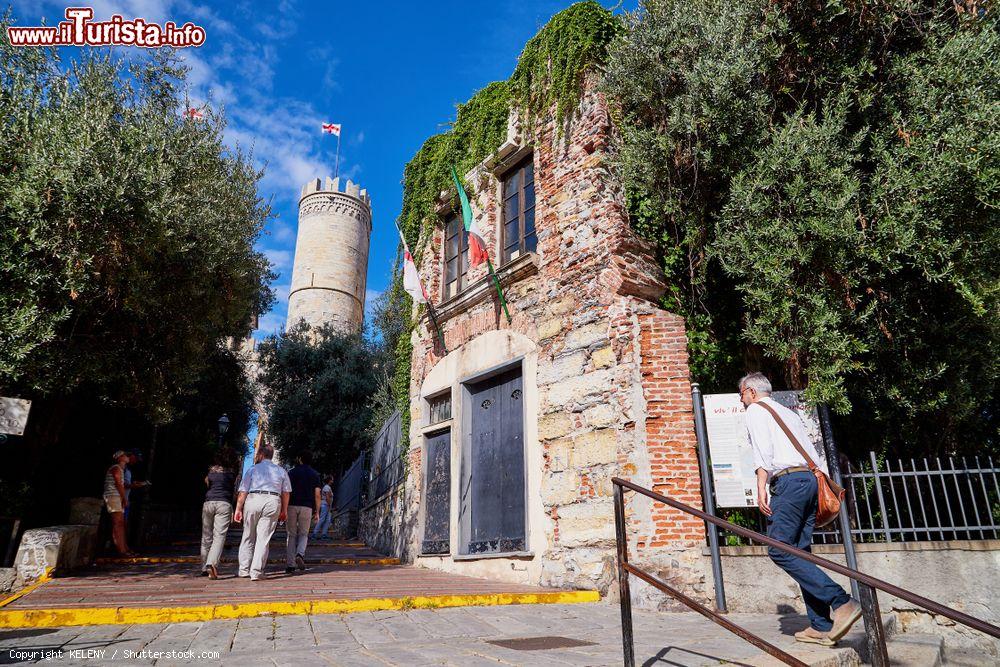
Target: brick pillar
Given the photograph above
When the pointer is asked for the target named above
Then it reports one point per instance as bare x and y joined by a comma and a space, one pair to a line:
670, 435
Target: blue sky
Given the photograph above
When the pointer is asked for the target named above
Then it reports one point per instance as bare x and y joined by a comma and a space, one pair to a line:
390, 73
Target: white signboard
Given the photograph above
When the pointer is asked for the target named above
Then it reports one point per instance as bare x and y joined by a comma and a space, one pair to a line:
733, 474
13, 415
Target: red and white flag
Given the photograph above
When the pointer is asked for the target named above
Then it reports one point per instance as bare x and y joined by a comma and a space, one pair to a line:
411, 278
194, 114
331, 128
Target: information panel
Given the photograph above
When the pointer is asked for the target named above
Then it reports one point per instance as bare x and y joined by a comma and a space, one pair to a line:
733, 475
13, 415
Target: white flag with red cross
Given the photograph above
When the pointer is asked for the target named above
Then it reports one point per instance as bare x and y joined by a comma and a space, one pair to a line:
411, 277
194, 114
331, 128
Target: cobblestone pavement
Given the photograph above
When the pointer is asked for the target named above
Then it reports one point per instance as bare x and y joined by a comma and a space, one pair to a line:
457, 636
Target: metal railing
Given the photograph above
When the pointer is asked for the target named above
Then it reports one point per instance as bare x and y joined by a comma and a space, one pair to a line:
911, 500
868, 585
907, 500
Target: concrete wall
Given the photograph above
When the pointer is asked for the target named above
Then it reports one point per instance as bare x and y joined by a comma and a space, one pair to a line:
964, 575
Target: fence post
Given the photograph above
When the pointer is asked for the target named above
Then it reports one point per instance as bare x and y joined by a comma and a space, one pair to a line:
881, 498
833, 461
707, 496
625, 602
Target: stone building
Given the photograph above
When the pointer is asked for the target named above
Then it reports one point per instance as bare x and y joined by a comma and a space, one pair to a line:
331, 255
519, 427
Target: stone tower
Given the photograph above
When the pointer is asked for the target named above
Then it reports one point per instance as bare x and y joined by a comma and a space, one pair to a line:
331, 255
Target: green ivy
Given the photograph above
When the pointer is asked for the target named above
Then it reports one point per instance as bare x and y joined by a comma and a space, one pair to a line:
479, 129
551, 69
553, 64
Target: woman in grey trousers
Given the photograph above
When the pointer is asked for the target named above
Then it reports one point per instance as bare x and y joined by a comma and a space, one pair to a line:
216, 514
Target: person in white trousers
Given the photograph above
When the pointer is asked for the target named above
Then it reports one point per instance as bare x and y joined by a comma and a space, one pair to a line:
261, 504
303, 510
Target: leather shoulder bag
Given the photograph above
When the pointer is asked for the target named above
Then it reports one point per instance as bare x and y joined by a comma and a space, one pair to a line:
831, 494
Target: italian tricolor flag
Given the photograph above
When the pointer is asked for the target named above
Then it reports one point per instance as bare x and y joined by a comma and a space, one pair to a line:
477, 248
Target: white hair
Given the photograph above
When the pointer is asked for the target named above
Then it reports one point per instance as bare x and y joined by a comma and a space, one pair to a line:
756, 381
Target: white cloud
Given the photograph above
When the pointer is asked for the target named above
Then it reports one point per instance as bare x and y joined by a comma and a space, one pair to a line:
280, 259
270, 323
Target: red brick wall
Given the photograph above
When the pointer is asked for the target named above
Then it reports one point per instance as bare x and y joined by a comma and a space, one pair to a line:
670, 438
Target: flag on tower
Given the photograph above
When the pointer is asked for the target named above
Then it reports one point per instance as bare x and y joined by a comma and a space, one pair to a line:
411, 278
194, 114
477, 247
331, 128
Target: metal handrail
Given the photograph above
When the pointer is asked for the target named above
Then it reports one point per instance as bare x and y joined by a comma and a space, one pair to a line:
624, 568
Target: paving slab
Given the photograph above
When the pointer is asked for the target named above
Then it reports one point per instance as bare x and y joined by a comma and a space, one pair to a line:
457, 637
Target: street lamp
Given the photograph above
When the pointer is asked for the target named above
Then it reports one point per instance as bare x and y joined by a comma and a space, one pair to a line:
223, 427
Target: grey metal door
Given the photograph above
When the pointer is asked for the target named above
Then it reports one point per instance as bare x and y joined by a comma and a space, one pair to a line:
437, 494
497, 470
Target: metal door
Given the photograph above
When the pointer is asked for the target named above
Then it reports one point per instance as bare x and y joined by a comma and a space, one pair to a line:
437, 494
497, 465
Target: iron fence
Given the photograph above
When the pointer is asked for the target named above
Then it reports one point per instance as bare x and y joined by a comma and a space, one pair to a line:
891, 499
347, 496
386, 468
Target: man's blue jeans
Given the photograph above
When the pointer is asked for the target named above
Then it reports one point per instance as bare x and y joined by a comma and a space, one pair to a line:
792, 520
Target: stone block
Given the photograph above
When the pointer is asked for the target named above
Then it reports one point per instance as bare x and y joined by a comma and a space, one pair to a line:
603, 357
584, 389
550, 328
61, 548
585, 336
588, 522
7, 577
599, 415
560, 368
558, 453
554, 425
594, 448
563, 305
560, 488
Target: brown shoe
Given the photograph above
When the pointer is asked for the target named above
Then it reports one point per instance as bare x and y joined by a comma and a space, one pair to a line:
844, 617
213, 573
813, 636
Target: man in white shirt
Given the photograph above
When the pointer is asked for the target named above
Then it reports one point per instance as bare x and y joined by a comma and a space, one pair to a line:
787, 495
262, 502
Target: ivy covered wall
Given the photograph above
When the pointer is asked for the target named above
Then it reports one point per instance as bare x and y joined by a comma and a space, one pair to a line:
549, 78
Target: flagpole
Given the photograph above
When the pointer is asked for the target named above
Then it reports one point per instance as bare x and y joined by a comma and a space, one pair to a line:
437, 327
496, 282
336, 164
427, 299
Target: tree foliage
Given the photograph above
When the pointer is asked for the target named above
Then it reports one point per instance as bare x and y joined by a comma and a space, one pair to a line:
126, 232
317, 386
822, 180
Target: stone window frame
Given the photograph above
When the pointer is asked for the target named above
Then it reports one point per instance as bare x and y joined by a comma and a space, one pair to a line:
523, 161
506, 158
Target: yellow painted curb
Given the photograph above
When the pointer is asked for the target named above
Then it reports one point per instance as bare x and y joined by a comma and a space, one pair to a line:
164, 560
46, 576
49, 618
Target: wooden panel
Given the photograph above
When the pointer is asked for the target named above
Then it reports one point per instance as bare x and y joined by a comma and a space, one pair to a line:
497, 454
437, 494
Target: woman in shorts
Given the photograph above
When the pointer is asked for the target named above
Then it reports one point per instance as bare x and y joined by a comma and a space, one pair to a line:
116, 501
